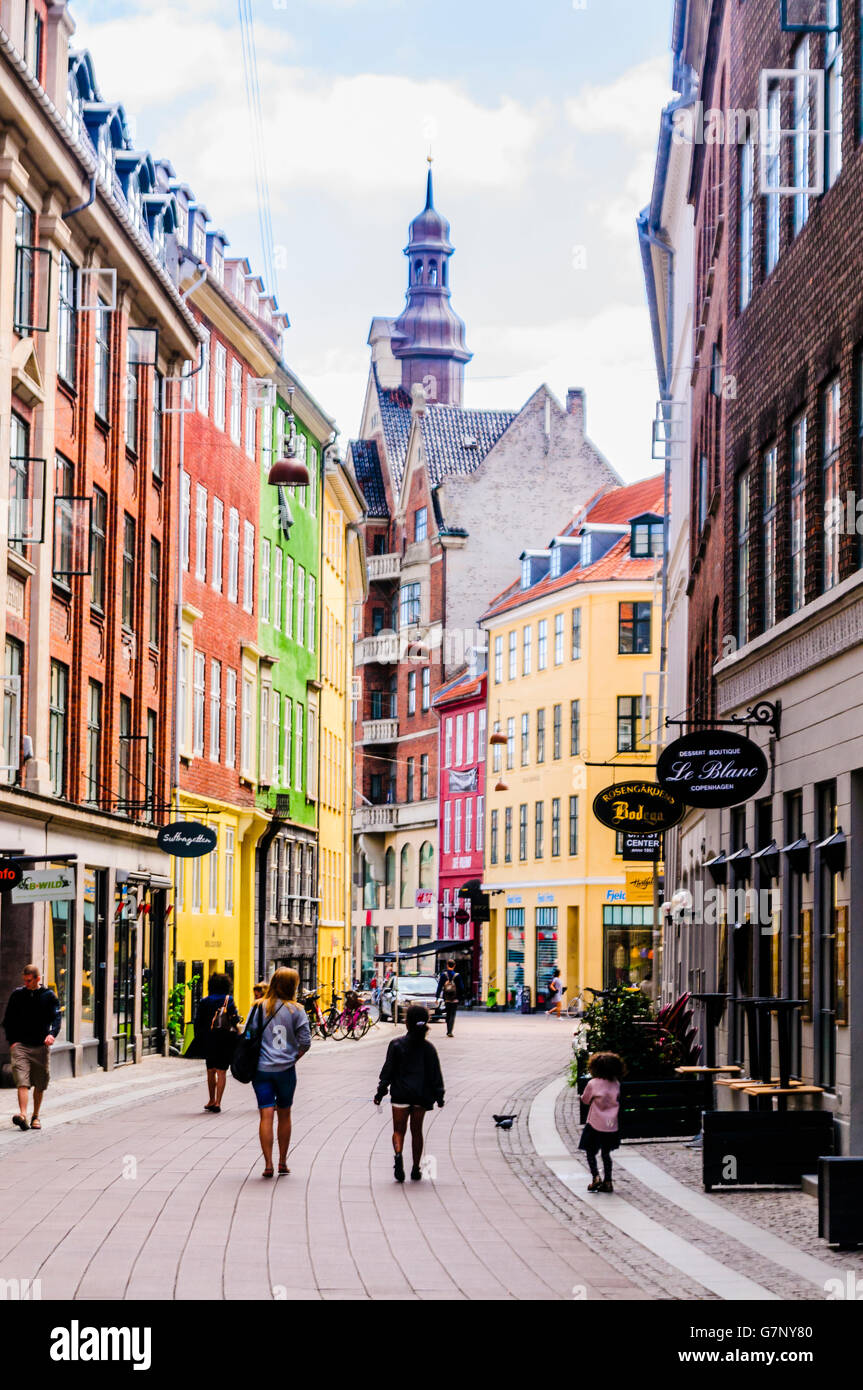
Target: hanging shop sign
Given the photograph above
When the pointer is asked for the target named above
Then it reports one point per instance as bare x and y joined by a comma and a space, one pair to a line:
10, 875
712, 768
424, 897
637, 846
187, 839
45, 886
638, 806
639, 885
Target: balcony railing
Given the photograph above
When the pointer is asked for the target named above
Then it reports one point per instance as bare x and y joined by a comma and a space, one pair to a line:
380, 730
384, 566
375, 818
383, 649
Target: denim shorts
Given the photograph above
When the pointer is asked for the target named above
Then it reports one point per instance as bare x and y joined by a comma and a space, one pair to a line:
275, 1088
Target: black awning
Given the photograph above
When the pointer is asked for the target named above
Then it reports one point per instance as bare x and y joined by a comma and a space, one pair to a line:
429, 948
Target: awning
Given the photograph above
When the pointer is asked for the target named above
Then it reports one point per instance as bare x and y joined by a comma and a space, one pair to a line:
430, 948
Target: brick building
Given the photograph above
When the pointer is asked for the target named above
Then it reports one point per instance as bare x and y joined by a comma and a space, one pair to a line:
450, 491
91, 326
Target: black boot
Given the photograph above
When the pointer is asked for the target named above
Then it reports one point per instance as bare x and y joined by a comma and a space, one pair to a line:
399, 1168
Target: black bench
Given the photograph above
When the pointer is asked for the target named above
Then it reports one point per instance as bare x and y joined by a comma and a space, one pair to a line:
774, 1148
840, 1200
660, 1109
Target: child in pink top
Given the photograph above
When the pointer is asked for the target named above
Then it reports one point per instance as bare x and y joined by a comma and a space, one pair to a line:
600, 1134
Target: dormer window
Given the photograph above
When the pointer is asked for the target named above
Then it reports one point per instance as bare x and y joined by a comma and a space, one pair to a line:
218, 266
647, 539
525, 574
133, 200
74, 102
159, 240
106, 157
182, 224
554, 568
199, 241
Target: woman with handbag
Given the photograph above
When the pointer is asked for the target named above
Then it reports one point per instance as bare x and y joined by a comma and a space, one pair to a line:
279, 1028
216, 1023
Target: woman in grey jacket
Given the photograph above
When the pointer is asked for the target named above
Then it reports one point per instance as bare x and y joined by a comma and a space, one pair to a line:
285, 1039
412, 1075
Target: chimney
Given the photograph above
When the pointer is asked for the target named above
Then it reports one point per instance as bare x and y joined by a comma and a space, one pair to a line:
418, 399
575, 404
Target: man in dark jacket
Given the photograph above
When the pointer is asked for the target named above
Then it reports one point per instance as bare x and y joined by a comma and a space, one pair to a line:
450, 986
32, 1021
412, 1075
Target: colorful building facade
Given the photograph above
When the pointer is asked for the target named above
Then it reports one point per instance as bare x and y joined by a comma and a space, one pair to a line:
572, 681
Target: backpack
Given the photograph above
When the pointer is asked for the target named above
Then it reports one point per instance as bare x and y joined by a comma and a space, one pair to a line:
244, 1063
450, 989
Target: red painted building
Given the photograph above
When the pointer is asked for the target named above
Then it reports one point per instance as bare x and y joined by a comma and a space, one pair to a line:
461, 709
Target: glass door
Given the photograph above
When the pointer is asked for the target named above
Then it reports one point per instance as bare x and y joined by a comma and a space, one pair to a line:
152, 962
124, 979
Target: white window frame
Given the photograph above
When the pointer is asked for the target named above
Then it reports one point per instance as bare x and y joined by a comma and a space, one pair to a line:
236, 420
265, 580
311, 625
231, 718
299, 748
220, 382
233, 555
229, 870
248, 567
447, 826
289, 596
447, 741
215, 710
217, 549
275, 733
199, 678
201, 510
301, 603
185, 517
470, 728
278, 587
204, 376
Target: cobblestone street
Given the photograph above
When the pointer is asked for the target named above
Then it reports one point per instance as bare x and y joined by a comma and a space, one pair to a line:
132, 1191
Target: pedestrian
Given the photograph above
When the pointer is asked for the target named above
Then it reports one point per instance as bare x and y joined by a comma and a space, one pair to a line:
558, 989
600, 1133
285, 1039
412, 1075
450, 986
32, 1021
216, 1024
259, 990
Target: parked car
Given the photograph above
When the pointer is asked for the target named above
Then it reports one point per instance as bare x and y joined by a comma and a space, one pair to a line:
411, 989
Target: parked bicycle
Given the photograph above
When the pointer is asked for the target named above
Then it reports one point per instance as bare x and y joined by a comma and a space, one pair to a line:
317, 1022
577, 1004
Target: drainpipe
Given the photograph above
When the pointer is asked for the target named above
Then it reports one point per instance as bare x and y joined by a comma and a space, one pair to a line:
263, 852
82, 207
355, 528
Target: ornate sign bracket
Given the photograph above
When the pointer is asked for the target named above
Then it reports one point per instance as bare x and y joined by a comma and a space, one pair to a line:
766, 714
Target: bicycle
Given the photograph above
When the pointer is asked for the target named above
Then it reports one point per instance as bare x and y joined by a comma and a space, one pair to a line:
335, 1023
356, 1016
317, 1022
577, 1004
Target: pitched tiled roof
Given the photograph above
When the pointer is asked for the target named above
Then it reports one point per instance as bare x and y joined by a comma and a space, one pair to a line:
395, 408
367, 468
456, 440
461, 687
619, 505
616, 563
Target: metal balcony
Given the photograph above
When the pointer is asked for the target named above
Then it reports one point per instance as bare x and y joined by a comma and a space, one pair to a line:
382, 567
380, 730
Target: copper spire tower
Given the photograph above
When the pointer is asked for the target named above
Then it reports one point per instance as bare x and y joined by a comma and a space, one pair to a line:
428, 336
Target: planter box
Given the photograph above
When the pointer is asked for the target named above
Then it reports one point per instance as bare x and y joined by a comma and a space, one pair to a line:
840, 1200
660, 1109
771, 1147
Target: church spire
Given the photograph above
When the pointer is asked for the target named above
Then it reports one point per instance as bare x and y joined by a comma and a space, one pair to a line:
428, 337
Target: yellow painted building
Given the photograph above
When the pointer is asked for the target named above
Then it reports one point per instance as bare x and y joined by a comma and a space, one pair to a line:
573, 680
343, 583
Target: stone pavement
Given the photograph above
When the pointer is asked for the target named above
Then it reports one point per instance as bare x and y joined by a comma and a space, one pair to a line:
151, 1198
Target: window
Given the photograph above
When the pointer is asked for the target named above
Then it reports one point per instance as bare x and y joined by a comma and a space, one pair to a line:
573, 825
513, 655
633, 723
404, 875
525, 574
526, 650
412, 705
542, 645
124, 754
558, 639
507, 835
459, 741
424, 776
131, 415
102, 359
409, 788
251, 423
247, 718
182, 696
468, 824
248, 567
539, 829
702, 489
298, 750
540, 736
278, 584
265, 580
576, 634
64, 487
215, 710
421, 520
199, 692
470, 723
156, 424
496, 755
830, 481
574, 728
555, 726
288, 743
409, 605
150, 768
289, 596
57, 728
743, 558
233, 554
798, 513
457, 838
220, 385
236, 417
185, 517
213, 886
98, 543
773, 179
204, 376
128, 572
312, 614
229, 870
647, 539
800, 206
94, 740
218, 543
768, 535
510, 743
480, 807
525, 740
833, 98
231, 719
264, 733
67, 321
633, 628
301, 602
155, 590
201, 509
498, 660
555, 827
25, 278
493, 837
747, 215
312, 489
522, 831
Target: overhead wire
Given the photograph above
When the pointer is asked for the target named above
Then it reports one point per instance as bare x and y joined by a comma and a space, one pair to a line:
259, 157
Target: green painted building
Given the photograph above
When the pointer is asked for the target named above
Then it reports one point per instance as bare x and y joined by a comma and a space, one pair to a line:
289, 690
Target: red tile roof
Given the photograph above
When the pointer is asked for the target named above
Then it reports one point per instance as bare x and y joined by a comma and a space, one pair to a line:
462, 687
621, 504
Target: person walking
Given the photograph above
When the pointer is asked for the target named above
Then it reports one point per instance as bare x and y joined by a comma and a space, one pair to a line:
216, 1024
412, 1075
450, 986
286, 1037
557, 988
32, 1021
259, 990
600, 1133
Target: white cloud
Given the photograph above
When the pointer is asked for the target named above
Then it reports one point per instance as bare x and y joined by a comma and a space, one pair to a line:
628, 106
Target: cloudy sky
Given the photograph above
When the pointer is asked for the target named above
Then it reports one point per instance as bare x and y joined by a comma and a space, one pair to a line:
542, 119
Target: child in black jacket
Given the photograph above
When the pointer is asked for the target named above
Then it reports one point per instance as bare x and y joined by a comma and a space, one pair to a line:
412, 1075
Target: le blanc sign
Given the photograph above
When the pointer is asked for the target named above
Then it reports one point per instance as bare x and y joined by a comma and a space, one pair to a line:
637, 806
711, 768
187, 839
